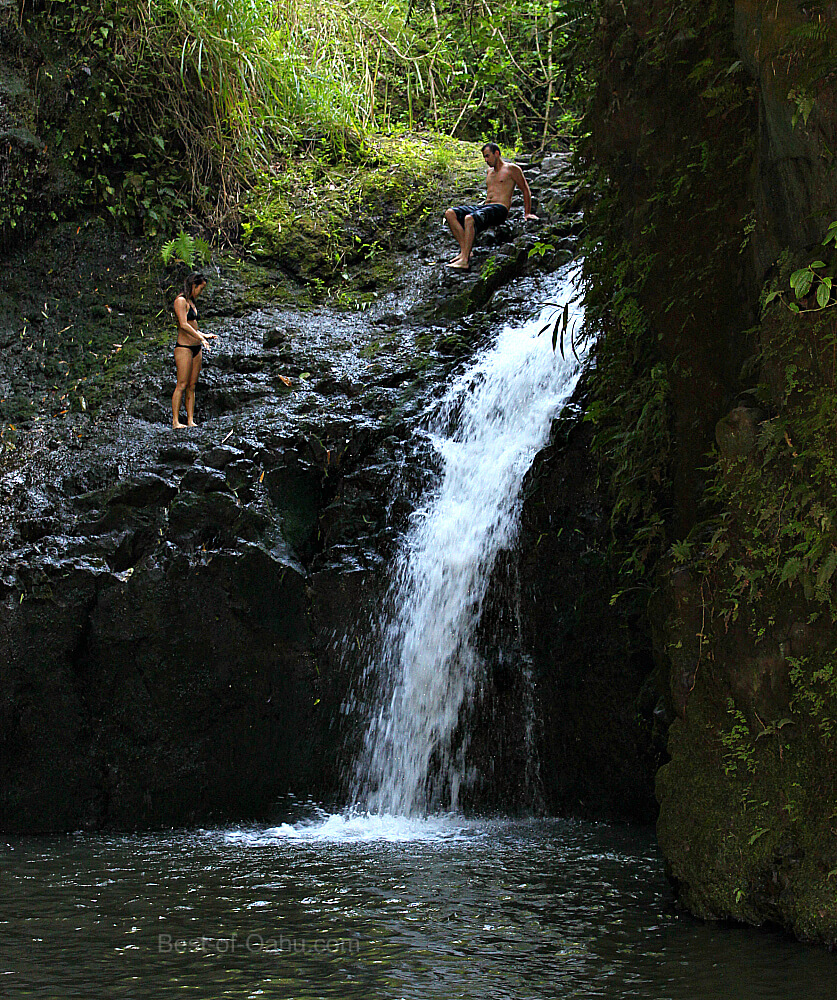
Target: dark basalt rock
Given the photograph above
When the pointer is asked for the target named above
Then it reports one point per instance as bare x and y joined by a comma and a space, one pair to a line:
219, 458
590, 660
149, 490
736, 433
274, 338
198, 480
239, 473
183, 453
211, 519
32, 530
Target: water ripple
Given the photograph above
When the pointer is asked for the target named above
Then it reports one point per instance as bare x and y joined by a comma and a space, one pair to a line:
357, 906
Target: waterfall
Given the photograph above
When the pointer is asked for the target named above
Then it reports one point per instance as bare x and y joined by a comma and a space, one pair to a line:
486, 430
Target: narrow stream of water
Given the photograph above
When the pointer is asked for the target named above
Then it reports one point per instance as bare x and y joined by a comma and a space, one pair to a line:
486, 432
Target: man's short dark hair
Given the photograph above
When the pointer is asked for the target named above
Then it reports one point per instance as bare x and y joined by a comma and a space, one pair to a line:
492, 146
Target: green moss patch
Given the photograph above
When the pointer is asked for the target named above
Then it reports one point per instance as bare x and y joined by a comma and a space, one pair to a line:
318, 218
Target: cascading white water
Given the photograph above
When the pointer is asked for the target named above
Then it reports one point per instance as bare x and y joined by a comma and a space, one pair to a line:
487, 431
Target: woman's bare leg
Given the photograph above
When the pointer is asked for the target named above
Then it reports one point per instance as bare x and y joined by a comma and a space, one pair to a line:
189, 396
183, 363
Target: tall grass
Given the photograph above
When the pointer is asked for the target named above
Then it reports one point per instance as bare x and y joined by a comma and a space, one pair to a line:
235, 79
215, 87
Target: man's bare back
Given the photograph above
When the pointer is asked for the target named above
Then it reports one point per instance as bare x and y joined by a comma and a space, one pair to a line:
500, 182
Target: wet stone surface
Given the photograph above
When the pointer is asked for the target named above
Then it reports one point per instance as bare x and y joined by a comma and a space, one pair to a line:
170, 594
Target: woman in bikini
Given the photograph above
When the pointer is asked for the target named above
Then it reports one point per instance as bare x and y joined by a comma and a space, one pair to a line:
188, 349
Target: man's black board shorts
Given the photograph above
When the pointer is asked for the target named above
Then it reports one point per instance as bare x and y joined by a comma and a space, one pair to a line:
485, 216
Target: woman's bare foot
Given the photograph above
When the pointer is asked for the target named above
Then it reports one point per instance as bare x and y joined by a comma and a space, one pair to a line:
177, 426
191, 423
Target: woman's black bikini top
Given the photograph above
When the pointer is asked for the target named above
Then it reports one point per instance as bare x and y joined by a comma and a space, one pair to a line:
192, 313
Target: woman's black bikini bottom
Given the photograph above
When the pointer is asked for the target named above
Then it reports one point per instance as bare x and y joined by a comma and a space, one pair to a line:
194, 348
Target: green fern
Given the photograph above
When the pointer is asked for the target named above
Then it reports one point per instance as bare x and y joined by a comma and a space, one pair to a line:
185, 249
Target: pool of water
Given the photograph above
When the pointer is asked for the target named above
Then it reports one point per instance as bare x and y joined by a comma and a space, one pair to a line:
373, 907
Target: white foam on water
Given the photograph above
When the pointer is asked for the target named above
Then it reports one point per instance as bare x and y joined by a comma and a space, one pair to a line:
360, 828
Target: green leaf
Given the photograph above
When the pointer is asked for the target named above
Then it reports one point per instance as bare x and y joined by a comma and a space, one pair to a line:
564, 321
801, 281
202, 249
823, 295
826, 571
791, 570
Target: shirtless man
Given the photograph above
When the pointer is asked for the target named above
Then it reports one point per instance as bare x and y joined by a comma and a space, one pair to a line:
468, 220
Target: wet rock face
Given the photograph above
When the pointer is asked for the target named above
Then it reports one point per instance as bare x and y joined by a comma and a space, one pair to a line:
158, 698
23, 163
161, 646
796, 189
603, 718
176, 604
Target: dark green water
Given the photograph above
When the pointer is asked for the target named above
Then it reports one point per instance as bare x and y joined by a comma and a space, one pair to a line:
366, 908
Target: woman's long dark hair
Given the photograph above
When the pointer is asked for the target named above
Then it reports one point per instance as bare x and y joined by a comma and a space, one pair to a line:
192, 281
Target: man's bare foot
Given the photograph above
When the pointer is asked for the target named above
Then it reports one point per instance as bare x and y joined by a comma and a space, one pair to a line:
191, 423
177, 426
459, 265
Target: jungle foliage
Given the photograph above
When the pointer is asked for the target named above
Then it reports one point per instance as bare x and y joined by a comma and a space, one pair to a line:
159, 106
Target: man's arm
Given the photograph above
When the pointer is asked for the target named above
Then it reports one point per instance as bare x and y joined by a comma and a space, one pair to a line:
521, 182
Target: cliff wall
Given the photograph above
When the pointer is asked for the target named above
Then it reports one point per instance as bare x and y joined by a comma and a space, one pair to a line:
712, 152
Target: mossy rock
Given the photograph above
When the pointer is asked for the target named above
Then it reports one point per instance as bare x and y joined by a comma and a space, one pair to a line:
17, 408
298, 244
